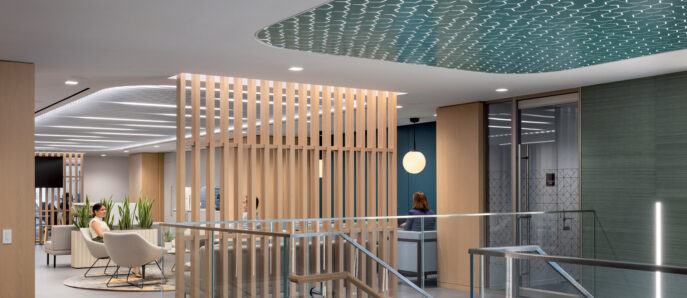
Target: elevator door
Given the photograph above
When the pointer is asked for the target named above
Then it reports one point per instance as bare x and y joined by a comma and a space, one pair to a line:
548, 178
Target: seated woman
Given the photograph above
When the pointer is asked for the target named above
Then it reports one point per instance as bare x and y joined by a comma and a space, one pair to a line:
420, 207
98, 227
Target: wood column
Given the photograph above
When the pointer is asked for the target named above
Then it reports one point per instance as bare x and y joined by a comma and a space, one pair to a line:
17, 178
460, 189
146, 178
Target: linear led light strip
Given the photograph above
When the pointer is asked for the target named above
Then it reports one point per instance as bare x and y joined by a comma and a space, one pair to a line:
537, 142
121, 119
659, 246
523, 121
99, 141
508, 127
90, 127
64, 136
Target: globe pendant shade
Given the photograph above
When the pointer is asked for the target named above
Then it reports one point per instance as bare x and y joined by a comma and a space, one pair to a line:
414, 162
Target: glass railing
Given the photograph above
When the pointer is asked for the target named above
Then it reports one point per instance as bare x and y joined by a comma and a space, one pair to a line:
332, 256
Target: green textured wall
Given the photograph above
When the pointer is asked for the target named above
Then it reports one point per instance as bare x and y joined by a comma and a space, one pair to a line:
634, 153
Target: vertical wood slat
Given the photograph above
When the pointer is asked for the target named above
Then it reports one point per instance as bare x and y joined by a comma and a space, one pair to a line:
209, 174
315, 176
393, 242
301, 167
371, 194
195, 184
251, 188
267, 201
278, 183
327, 179
224, 182
303, 179
180, 243
360, 180
238, 186
338, 181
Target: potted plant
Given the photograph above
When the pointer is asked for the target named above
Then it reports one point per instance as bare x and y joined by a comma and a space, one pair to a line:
109, 217
144, 218
125, 218
82, 215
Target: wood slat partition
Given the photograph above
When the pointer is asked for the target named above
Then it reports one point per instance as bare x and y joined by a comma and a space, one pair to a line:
52, 208
307, 151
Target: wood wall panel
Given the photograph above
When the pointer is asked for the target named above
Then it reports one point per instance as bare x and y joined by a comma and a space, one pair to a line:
289, 129
146, 179
17, 178
460, 189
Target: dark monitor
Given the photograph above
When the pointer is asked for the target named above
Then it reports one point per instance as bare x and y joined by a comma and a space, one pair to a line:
49, 172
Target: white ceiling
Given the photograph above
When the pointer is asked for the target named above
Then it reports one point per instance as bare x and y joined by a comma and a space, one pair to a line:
118, 43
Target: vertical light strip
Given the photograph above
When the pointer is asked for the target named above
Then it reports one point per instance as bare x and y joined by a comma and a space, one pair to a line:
659, 246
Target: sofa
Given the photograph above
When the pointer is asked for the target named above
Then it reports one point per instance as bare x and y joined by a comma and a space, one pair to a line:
60, 242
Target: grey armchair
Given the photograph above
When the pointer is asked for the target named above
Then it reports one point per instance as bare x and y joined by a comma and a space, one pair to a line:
132, 250
96, 249
60, 243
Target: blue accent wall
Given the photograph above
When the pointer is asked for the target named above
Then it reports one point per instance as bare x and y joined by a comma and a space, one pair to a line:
425, 181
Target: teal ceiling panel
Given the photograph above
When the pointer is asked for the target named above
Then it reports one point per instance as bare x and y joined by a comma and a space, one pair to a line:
487, 36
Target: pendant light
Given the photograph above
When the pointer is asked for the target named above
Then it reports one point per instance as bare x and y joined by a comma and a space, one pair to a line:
414, 161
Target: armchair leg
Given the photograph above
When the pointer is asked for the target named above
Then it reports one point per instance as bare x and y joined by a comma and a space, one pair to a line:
161, 272
54, 261
47, 260
106, 266
116, 273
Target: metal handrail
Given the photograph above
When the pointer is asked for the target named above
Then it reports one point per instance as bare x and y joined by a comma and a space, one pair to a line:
386, 217
554, 265
369, 254
582, 261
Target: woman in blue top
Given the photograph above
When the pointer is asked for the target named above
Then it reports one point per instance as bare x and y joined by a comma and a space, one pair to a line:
420, 207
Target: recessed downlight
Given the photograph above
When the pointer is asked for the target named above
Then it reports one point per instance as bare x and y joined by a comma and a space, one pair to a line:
157, 146
399, 106
103, 155
126, 151
501, 90
71, 82
296, 68
435, 114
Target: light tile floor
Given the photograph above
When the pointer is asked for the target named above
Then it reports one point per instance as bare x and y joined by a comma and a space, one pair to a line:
49, 283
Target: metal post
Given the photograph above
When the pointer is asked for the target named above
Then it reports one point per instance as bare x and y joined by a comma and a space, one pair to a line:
472, 276
481, 276
422, 253
509, 277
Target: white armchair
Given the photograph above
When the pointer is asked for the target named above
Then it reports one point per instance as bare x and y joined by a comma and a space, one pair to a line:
59, 243
96, 249
132, 250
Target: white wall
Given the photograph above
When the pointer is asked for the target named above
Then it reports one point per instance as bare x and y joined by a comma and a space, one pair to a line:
170, 181
105, 177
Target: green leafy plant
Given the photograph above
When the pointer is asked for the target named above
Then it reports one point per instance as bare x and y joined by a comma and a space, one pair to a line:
125, 215
82, 215
109, 218
143, 216
168, 235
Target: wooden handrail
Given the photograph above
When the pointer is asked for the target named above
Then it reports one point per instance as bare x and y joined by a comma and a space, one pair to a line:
335, 276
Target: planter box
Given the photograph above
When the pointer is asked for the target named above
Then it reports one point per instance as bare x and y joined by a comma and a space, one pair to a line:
81, 258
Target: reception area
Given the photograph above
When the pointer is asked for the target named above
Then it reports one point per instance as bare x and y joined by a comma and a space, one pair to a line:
343, 148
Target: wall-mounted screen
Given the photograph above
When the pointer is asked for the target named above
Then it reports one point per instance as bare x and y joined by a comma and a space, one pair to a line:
49, 172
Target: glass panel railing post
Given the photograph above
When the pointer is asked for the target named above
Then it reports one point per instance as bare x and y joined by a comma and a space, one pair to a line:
422, 252
472, 276
481, 276
509, 277
285, 268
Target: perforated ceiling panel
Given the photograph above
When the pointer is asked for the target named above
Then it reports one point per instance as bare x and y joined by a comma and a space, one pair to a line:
487, 36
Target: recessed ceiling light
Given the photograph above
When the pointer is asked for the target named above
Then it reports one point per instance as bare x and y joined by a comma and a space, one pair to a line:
435, 114
129, 134
401, 93
103, 155
157, 146
502, 90
71, 82
399, 106
90, 127
126, 151
295, 68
